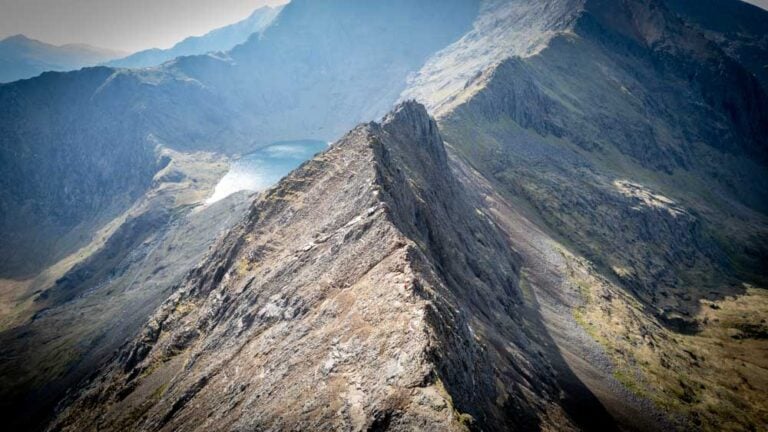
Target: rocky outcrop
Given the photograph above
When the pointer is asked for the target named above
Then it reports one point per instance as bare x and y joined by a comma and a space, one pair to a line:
365, 291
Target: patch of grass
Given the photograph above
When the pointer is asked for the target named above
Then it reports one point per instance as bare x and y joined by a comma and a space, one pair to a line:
584, 290
243, 266
629, 381
185, 308
158, 393
466, 420
525, 287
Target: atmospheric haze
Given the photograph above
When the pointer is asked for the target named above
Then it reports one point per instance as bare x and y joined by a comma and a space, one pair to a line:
126, 26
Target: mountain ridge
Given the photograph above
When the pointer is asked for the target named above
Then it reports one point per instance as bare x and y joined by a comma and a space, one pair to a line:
24, 58
220, 39
431, 271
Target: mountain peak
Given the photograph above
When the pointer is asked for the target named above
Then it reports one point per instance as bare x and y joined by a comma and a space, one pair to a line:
266, 8
19, 36
20, 39
408, 111
411, 122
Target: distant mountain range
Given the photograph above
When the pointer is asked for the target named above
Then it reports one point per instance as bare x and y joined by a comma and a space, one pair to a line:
221, 39
22, 57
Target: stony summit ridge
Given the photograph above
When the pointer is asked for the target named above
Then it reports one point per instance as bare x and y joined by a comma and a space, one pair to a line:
364, 288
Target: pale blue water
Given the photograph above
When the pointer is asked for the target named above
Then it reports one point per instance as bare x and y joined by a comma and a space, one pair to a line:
265, 167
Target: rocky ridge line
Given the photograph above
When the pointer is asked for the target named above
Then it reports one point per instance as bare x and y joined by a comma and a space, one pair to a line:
363, 292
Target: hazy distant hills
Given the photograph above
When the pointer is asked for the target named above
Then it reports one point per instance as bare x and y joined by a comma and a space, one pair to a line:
22, 57
221, 39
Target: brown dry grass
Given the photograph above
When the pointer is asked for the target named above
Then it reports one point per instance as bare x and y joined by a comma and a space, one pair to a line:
717, 379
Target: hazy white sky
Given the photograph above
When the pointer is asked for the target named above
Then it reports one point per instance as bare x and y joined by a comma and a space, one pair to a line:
761, 3
128, 25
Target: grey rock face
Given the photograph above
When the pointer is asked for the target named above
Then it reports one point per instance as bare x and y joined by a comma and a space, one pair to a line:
365, 291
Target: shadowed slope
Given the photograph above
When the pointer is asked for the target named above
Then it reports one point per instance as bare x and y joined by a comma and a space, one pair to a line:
640, 145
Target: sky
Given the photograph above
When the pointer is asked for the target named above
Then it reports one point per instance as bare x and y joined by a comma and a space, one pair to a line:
125, 25
761, 3
128, 25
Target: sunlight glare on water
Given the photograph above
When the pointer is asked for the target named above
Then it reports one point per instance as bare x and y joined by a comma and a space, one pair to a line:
265, 167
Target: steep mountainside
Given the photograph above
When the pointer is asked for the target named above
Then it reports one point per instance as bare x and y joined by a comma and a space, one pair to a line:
60, 325
221, 39
640, 143
76, 153
22, 57
366, 291
738, 28
503, 29
587, 127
